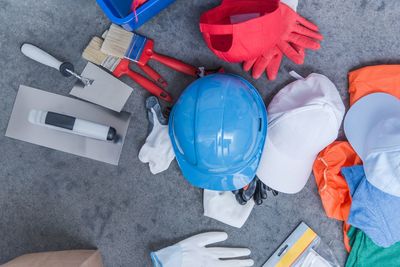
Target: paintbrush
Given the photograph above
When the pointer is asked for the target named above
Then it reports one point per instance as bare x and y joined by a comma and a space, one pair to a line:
147, 69
109, 61
120, 67
123, 44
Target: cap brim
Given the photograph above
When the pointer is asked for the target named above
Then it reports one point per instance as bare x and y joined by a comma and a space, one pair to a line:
282, 173
364, 115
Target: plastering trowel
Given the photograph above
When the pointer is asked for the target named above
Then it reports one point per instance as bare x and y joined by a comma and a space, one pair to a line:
67, 124
95, 85
106, 90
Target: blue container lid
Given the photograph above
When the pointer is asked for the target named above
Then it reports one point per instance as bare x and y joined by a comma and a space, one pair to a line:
119, 11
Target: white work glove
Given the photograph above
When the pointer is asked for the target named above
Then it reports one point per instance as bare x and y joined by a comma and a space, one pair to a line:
223, 206
192, 252
157, 150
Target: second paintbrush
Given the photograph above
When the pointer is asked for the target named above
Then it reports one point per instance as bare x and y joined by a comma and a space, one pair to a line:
123, 44
120, 67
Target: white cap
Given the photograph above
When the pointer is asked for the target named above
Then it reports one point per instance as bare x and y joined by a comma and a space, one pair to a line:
304, 117
372, 127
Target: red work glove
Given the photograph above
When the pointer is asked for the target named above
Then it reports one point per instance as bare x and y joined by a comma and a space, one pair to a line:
269, 62
299, 32
297, 35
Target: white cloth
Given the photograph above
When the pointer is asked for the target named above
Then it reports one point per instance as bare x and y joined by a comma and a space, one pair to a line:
222, 206
313, 259
372, 127
157, 150
304, 117
192, 252
291, 3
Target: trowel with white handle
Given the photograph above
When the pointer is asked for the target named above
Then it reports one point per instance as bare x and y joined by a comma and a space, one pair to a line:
96, 85
41, 56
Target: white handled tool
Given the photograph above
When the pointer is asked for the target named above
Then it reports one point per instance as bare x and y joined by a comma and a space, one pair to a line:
66, 68
69, 124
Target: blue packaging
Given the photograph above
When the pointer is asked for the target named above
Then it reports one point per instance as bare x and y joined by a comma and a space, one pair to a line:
119, 11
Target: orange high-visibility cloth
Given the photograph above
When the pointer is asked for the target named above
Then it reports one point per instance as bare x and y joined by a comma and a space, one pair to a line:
374, 79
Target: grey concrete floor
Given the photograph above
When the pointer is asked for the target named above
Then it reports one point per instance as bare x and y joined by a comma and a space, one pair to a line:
51, 200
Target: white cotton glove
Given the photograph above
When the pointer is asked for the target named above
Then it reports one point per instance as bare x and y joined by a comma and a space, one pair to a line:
192, 252
291, 3
157, 150
223, 206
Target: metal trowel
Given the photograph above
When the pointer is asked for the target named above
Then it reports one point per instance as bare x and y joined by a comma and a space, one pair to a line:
95, 85
106, 90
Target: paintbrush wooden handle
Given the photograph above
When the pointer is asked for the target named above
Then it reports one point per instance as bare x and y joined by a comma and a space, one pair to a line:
175, 64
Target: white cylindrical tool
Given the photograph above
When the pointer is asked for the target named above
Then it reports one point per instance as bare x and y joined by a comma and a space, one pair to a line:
69, 124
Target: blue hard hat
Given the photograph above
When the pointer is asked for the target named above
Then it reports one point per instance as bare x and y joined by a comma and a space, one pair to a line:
217, 129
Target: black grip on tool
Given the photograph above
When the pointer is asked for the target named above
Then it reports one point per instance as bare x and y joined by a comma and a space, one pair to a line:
60, 120
112, 133
66, 66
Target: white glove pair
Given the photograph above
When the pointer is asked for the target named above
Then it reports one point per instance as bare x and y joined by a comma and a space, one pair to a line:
192, 252
157, 150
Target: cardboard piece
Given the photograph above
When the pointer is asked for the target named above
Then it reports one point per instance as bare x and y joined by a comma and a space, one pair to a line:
71, 258
106, 90
29, 98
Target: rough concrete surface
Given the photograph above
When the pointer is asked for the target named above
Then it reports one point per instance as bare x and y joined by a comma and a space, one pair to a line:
50, 200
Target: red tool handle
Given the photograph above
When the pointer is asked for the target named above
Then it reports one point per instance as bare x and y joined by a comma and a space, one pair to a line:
123, 69
175, 64
153, 74
149, 86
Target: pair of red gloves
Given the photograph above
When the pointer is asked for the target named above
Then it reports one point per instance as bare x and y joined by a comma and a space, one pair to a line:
258, 33
297, 35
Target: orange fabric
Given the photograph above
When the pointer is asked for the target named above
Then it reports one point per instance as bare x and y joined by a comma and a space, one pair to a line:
374, 79
332, 186
346, 239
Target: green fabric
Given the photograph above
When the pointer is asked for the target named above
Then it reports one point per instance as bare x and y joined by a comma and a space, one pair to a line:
364, 252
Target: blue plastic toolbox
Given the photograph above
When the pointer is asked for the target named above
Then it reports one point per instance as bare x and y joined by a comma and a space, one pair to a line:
119, 11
